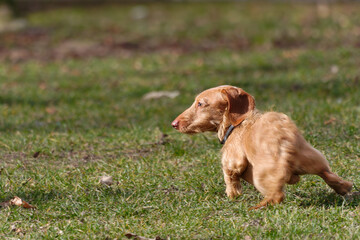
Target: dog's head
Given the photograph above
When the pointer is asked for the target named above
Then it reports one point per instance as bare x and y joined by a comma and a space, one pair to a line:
223, 105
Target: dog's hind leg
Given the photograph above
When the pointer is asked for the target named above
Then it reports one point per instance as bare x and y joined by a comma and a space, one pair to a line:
271, 184
339, 185
311, 161
271, 176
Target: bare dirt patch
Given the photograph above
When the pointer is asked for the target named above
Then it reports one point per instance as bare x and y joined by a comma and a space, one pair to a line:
37, 44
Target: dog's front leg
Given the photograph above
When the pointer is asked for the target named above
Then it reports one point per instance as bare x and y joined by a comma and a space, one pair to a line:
233, 169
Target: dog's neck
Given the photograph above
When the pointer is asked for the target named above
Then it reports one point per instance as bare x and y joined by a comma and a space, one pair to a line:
226, 128
227, 134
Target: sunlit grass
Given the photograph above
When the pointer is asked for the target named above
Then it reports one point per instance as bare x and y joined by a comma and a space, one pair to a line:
87, 119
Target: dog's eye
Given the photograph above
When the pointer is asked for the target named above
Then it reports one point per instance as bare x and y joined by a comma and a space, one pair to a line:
199, 104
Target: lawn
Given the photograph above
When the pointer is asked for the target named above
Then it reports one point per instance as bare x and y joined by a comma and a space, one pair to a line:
72, 111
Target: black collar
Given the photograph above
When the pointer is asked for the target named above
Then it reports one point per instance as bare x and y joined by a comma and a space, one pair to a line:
227, 134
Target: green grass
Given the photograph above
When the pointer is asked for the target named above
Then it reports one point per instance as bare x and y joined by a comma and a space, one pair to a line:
87, 119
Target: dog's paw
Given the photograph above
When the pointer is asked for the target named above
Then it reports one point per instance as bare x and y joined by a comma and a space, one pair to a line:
233, 193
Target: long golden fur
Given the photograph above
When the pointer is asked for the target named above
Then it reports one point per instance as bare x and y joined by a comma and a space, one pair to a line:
265, 149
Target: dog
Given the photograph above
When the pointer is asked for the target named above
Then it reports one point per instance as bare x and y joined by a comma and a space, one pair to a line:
265, 149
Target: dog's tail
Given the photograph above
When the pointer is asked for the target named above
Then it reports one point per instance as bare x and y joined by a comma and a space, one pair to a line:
340, 186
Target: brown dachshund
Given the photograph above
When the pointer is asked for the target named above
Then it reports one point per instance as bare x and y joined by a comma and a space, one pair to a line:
265, 149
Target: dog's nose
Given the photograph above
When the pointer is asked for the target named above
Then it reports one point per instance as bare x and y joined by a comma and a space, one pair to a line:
175, 124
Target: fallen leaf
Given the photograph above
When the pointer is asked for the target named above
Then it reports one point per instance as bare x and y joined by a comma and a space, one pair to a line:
160, 94
247, 237
16, 201
107, 180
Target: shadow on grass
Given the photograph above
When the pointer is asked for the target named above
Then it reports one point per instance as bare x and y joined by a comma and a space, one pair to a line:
96, 191
328, 199
21, 100
33, 196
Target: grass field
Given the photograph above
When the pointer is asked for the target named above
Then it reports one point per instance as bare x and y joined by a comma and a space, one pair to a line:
72, 111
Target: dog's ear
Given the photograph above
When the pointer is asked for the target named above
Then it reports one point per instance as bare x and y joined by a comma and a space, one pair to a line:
239, 104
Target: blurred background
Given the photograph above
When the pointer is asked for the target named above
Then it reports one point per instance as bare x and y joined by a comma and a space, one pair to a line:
98, 59
57, 29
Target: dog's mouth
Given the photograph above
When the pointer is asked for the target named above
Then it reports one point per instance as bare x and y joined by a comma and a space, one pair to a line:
182, 127
192, 129
187, 130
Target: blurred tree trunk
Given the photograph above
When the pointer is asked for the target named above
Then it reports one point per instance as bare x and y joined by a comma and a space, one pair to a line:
10, 16
11, 5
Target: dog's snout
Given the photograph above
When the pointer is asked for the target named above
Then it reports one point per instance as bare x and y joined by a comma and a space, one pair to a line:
175, 124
